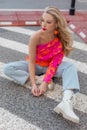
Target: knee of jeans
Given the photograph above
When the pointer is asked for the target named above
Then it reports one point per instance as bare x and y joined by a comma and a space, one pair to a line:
7, 69
71, 65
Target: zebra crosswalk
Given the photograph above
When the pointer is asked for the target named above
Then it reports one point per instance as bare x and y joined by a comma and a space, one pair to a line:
15, 49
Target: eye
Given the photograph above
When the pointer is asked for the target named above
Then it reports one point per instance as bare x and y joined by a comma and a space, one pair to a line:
48, 22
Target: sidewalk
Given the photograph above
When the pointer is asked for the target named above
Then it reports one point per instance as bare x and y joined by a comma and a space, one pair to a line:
77, 22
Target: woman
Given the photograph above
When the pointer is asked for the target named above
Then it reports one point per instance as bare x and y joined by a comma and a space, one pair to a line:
47, 47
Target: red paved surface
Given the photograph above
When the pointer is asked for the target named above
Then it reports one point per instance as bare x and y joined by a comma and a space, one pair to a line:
77, 22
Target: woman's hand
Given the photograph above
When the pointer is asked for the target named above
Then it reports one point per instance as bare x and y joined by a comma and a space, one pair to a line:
42, 88
35, 90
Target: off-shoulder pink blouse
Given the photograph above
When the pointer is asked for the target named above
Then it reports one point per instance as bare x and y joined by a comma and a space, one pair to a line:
50, 55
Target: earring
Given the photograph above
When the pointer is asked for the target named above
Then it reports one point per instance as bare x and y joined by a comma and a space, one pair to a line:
55, 32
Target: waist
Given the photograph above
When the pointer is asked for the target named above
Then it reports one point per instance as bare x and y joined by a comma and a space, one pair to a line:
39, 62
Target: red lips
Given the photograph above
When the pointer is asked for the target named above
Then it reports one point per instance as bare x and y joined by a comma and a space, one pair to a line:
44, 29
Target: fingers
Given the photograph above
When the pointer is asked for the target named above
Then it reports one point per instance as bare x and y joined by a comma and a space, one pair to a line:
38, 91
35, 92
41, 92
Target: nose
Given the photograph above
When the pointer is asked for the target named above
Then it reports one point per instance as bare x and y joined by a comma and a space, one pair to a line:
44, 24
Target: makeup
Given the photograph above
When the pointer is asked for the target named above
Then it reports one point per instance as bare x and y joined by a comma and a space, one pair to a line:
44, 29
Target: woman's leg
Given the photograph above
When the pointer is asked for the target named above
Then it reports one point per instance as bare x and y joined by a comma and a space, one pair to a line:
68, 72
70, 85
18, 71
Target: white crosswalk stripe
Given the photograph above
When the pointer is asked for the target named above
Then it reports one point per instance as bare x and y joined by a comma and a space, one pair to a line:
77, 45
82, 67
19, 30
19, 47
14, 122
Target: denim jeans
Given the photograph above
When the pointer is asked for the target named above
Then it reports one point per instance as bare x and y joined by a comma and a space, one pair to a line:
19, 72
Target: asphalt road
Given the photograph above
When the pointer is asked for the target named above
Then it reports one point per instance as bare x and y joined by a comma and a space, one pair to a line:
41, 4
19, 110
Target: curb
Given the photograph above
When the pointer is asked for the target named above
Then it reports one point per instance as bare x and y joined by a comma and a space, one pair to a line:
20, 18
77, 22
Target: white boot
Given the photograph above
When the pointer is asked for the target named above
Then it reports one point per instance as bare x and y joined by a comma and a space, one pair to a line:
65, 107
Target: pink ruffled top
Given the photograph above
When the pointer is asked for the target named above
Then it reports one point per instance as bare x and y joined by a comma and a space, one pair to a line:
49, 55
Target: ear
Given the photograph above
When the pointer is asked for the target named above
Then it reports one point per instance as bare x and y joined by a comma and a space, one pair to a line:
56, 32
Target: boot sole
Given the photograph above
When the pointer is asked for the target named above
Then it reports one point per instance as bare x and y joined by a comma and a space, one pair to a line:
59, 111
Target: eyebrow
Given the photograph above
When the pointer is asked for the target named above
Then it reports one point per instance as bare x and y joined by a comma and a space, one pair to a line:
47, 19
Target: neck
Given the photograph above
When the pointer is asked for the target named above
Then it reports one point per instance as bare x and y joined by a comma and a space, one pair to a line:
50, 35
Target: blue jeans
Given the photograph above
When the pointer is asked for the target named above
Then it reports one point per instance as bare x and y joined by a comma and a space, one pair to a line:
19, 72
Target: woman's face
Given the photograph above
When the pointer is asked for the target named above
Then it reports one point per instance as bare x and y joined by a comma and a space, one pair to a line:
48, 23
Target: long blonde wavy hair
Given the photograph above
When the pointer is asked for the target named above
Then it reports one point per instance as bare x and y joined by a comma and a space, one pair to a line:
61, 25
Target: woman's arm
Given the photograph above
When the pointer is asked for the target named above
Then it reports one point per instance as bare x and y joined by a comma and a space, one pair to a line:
50, 72
32, 55
53, 66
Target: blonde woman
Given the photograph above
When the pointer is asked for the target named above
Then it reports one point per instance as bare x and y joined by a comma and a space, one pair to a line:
47, 47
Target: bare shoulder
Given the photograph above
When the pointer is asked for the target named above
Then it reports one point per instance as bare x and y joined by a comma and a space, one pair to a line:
35, 38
